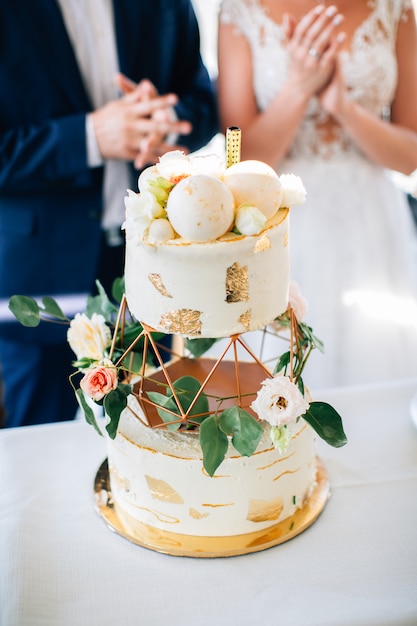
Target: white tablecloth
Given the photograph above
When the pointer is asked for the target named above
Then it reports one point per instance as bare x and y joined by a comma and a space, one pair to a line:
60, 565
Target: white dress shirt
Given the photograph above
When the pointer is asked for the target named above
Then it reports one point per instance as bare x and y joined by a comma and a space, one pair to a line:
90, 26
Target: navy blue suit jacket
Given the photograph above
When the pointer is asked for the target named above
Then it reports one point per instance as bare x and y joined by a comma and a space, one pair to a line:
50, 200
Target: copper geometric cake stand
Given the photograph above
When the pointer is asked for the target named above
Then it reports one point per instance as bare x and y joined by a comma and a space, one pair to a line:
176, 544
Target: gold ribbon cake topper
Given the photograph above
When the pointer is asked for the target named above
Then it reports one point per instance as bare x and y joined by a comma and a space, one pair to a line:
233, 141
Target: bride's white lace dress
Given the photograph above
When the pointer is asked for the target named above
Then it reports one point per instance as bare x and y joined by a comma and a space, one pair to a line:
353, 242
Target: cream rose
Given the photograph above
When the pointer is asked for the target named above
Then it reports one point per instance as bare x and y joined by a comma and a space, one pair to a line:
279, 401
88, 338
99, 381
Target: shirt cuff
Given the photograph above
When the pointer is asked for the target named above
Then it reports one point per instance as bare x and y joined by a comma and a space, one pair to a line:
94, 158
172, 138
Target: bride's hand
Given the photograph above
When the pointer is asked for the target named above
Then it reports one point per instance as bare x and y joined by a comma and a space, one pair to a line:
312, 44
334, 97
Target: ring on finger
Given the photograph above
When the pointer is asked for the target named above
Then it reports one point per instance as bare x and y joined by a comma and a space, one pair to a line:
313, 53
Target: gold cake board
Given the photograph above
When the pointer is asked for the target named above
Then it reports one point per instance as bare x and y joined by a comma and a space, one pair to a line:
177, 544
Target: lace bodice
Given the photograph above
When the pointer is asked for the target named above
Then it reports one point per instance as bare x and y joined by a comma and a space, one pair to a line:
369, 68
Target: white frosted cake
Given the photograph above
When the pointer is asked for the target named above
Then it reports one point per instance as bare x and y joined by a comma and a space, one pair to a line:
213, 457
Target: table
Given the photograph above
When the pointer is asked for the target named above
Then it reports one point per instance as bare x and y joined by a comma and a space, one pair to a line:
60, 565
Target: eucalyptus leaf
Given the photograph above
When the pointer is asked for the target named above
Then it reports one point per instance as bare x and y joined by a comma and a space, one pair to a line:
114, 403
118, 289
84, 363
167, 403
51, 307
282, 363
197, 347
90, 418
186, 389
131, 332
214, 444
26, 310
310, 337
300, 385
245, 430
327, 423
101, 304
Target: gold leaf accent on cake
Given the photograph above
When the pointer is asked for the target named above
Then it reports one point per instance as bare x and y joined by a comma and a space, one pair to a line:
285, 239
265, 510
280, 460
286, 472
161, 490
161, 517
237, 283
196, 515
156, 281
262, 244
185, 322
245, 319
216, 506
300, 432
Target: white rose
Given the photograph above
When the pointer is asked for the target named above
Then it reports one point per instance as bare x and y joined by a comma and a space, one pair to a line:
293, 190
88, 338
210, 164
279, 401
249, 220
174, 164
142, 209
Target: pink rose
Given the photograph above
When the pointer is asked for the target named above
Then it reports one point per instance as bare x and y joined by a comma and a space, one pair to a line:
297, 302
99, 381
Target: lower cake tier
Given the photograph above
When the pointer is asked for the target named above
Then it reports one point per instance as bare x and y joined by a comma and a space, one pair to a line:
158, 481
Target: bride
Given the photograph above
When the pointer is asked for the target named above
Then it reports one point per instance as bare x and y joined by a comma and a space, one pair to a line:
330, 94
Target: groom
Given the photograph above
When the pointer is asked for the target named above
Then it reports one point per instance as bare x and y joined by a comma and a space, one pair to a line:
73, 138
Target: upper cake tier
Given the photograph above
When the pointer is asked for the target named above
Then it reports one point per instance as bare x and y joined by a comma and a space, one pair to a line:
207, 247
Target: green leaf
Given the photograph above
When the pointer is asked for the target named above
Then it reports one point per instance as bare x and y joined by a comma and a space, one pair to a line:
214, 444
300, 385
114, 403
87, 410
245, 430
26, 310
197, 346
51, 307
282, 363
118, 289
84, 363
131, 332
327, 423
101, 304
186, 389
309, 336
167, 403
